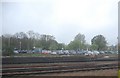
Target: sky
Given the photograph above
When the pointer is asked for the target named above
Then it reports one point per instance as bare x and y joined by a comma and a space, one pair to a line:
63, 19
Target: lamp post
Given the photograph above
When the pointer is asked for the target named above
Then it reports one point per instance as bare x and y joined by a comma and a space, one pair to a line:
20, 45
9, 42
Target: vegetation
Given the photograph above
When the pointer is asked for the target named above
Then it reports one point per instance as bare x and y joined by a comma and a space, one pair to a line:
78, 43
30, 40
99, 42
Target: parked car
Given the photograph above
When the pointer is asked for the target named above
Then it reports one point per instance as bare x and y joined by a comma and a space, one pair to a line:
80, 52
66, 52
101, 52
72, 52
89, 53
45, 52
15, 51
54, 53
60, 52
22, 51
96, 52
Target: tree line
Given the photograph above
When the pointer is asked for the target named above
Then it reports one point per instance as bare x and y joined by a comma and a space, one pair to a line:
30, 39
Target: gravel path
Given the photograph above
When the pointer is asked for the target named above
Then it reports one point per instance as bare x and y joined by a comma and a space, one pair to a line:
110, 72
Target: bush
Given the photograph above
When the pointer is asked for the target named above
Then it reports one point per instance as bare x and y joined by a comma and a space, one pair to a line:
7, 52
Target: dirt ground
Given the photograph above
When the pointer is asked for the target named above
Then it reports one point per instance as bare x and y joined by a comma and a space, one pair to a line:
110, 72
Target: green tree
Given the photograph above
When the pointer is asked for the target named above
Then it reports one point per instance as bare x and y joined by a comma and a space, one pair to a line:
99, 42
53, 45
94, 47
78, 43
61, 46
48, 42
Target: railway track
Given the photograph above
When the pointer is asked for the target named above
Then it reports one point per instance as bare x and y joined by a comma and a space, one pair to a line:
45, 65
31, 60
13, 71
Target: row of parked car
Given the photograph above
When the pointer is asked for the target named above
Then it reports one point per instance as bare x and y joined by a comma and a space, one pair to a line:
72, 52
20, 51
66, 52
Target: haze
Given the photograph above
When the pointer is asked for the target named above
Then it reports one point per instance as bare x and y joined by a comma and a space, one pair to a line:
62, 18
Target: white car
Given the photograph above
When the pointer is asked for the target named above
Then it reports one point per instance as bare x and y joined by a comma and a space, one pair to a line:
54, 53
102, 52
66, 52
16, 51
89, 53
96, 52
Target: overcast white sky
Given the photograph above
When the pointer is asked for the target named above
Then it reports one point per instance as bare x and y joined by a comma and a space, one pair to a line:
62, 18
